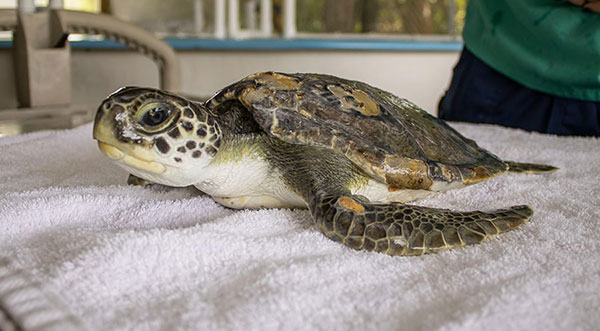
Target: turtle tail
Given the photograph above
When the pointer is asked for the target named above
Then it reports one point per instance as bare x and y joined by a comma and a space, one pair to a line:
529, 168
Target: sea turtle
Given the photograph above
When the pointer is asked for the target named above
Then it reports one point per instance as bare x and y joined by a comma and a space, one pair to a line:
352, 153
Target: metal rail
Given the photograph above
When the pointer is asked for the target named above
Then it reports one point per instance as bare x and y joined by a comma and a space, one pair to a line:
112, 28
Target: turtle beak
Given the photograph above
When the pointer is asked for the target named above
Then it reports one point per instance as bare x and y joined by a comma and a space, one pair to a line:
104, 122
97, 119
103, 132
138, 155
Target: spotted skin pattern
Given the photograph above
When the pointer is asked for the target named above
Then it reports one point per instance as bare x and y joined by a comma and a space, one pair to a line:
323, 137
187, 137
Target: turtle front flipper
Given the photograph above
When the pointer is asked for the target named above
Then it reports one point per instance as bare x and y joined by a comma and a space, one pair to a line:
137, 181
399, 229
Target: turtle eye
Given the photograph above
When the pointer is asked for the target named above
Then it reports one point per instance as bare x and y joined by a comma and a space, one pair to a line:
154, 114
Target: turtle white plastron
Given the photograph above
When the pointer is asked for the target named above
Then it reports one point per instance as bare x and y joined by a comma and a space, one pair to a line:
354, 155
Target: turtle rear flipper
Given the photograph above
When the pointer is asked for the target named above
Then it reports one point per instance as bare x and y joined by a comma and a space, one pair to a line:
399, 229
529, 168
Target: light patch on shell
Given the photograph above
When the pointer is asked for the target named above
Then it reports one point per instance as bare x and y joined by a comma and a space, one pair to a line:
275, 80
350, 204
406, 173
355, 99
305, 113
447, 173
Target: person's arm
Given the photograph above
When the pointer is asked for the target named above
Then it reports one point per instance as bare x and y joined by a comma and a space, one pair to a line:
593, 5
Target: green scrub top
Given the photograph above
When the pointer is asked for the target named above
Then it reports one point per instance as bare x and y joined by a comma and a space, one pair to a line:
547, 45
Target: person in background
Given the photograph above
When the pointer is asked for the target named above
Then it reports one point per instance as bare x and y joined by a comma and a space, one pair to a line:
533, 65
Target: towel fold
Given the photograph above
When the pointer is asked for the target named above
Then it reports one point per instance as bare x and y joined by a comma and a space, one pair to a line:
108, 256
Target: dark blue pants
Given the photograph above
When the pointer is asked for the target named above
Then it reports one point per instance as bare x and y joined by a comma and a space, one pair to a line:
480, 94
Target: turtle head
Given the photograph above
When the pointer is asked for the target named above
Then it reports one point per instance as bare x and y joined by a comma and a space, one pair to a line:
156, 135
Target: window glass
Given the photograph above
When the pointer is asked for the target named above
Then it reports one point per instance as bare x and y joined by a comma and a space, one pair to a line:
381, 16
83, 5
166, 18
313, 18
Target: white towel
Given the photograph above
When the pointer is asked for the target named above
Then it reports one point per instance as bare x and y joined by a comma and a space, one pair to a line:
115, 257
